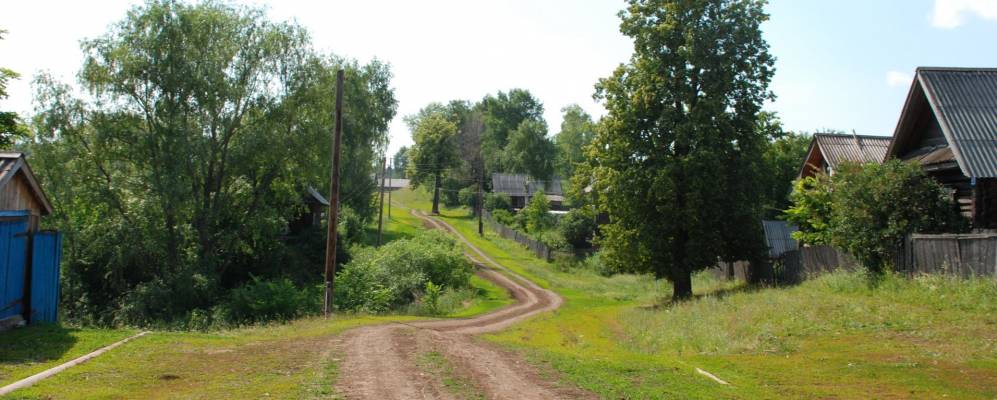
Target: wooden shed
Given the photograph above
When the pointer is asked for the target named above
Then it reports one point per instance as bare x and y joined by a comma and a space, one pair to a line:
29, 258
828, 150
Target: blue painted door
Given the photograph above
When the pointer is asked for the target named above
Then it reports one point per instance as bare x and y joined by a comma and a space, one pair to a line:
46, 252
13, 238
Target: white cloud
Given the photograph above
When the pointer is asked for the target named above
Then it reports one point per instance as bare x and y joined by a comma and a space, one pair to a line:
898, 79
949, 14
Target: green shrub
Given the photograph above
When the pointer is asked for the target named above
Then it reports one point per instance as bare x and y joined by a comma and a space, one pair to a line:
431, 298
537, 213
504, 217
469, 197
351, 225
578, 228
270, 300
497, 201
389, 277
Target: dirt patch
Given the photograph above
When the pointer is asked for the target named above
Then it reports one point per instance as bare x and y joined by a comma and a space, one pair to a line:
380, 360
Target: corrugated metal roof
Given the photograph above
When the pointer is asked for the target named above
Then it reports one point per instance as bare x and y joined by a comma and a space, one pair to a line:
316, 197
778, 236
965, 102
838, 148
515, 185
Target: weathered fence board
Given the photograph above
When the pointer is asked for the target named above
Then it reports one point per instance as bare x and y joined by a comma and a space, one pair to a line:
541, 250
965, 255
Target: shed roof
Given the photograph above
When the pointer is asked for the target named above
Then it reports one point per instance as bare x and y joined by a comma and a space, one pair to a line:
964, 101
778, 236
315, 197
515, 185
396, 183
13, 162
838, 148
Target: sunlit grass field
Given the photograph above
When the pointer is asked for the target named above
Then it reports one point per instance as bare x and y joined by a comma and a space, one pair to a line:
836, 336
293, 360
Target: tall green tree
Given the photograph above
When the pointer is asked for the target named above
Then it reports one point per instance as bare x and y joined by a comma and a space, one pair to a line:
679, 132
399, 162
11, 126
208, 122
434, 152
503, 113
783, 155
577, 131
531, 152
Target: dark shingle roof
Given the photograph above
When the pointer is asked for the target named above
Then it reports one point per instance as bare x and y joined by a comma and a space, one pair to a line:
965, 102
515, 185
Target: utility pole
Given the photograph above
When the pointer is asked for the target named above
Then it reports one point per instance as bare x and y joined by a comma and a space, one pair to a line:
330, 241
380, 210
481, 203
390, 190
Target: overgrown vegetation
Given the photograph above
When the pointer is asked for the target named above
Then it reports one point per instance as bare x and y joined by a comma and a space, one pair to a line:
396, 274
177, 173
868, 209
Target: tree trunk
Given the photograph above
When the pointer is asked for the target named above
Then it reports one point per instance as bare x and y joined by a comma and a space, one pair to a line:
436, 195
682, 287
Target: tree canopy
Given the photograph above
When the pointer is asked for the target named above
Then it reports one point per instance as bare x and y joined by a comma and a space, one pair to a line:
11, 126
433, 153
207, 123
577, 131
679, 147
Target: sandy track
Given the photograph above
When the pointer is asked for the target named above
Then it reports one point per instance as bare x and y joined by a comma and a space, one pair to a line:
380, 360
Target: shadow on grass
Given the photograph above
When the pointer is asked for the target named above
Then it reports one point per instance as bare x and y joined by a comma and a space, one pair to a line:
35, 343
718, 294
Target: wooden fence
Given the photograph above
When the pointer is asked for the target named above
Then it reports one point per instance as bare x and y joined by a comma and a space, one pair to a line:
964, 255
541, 250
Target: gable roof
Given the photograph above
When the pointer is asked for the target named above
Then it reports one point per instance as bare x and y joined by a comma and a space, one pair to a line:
13, 162
837, 148
515, 185
964, 101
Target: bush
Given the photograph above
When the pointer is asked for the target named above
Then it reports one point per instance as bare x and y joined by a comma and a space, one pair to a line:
537, 213
378, 280
868, 209
497, 201
351, 225
504, 217
270, 300
578, 228
469, 197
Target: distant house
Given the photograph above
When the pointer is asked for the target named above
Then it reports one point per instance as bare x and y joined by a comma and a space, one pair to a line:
29, 257
315, 206
949, 126
392, 184
521, 188
828, 150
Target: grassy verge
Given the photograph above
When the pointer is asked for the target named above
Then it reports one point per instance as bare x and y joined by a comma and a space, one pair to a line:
434, 363
279, 361
831, 337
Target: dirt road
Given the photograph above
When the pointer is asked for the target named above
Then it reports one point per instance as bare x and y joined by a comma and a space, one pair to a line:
388, 361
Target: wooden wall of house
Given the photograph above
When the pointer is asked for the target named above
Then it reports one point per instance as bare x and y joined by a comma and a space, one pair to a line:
959, 184
17, 195
987, 203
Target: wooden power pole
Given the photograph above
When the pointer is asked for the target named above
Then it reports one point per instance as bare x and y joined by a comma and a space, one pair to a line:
481, 203
330, 241
390, 190
380, 210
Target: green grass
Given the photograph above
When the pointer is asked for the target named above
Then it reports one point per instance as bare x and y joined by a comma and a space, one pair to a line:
831, 337
434, 363
27, 351
278, 361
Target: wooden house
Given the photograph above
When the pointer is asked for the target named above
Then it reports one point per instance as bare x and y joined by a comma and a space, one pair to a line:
520, 188
828, 150
29, 258
949, 126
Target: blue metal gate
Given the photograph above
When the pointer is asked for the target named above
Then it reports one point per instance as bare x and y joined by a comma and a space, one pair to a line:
46, 251
13, 242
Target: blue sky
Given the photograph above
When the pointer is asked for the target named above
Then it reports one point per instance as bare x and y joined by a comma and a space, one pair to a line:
843, 64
